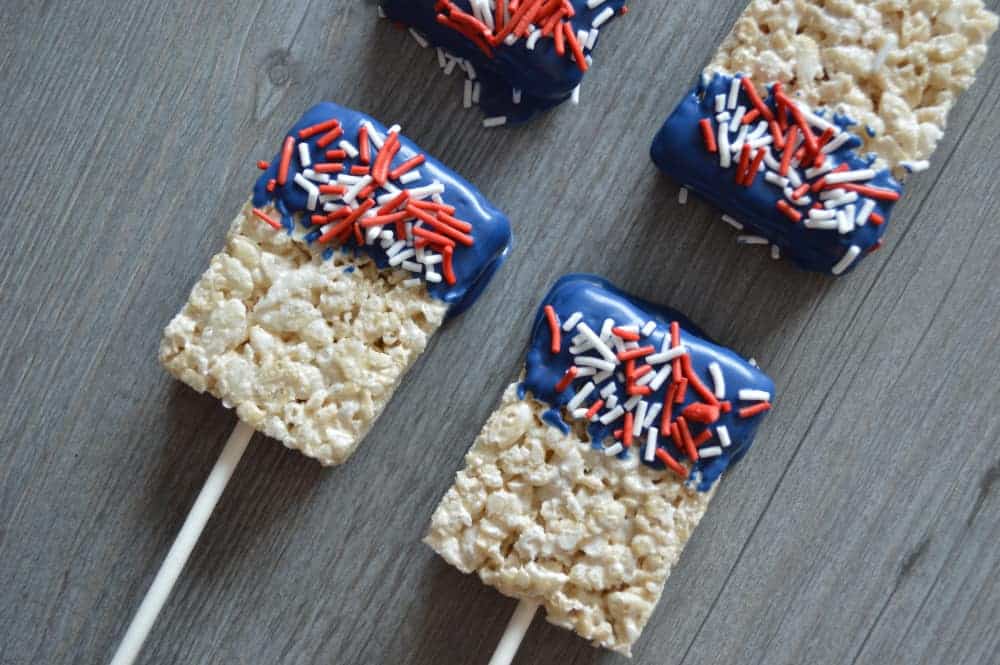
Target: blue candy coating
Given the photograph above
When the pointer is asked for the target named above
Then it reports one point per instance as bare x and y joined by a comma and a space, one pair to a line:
597, 299
474, 266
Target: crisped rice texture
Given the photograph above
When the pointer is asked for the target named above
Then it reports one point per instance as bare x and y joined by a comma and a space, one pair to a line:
895, 66
540, 515
308, 350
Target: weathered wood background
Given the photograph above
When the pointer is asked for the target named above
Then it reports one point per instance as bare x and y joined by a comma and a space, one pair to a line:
863, 529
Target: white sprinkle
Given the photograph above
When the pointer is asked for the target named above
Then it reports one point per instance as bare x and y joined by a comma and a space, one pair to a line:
632, 401
614, 414
593, 4
401, 256
413, 281
587, 361
347, 147
667, 355
592, 39
603, 17
571, 322
648, 329
410, 176
419, 38
575, 97
651, 437
442, 58
759, 142
867, 208
827, 166
749, 395
850, 176
836, 143
372, 235
723, 118
311, 189
848, 258
611, 451
601, 377
412, 266
645, 378
682, 196
395, 248
770, 162
741, 138
586, 371
845, 222
651, 415
725, 156
794, 178
710, 451
916, 167
496, 121
776, 179
450, 66
842, 200
421, 193
579, 413
316, 177
611, 402
304, 157
661, 376
723, 433
352, 193
640, 417
606, 329
758, 131
821, 224
609, 390
775, 252
467, 95
822, 214
882, 54
720, 102
597, 343
732, 222
432, 277
533, 39
516, 96
734, 94
752, 240
737, 120
476, 90
715, 369
580, 396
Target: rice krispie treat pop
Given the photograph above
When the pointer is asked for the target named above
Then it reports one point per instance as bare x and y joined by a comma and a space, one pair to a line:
812, 114
519, 57
355, 248
584, 486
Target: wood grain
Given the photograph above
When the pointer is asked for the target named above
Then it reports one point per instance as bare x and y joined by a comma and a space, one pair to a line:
863, 529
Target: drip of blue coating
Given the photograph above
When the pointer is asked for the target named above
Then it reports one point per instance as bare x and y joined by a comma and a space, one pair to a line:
473, 266
545, 78
597, 299
679, 151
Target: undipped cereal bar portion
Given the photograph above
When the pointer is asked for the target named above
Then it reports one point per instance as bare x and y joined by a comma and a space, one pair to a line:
355, 249
518, 57
584, 486
813, 112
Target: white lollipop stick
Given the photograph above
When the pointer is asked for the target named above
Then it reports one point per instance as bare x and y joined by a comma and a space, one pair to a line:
512, 636
179, 552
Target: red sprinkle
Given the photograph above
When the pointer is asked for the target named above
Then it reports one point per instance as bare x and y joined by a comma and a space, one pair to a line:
318, 128
627, 335
708, 136
632, 354
628, 433
286, 159
671, 463
594, 408
554, 331
364, 147
329, 138
567, 379
876, 219
756, 409
406, 166
789, 212
261, 215
262, 165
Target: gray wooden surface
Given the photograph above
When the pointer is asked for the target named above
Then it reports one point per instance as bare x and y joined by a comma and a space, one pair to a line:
863, 528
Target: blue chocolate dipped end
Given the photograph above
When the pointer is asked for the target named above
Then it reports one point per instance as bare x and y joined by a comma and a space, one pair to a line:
518, 77
717, 398
821, 226
442, 229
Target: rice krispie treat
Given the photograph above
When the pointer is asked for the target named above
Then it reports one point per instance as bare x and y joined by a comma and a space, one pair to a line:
813, 112
584, 486
519, 57
355, 248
